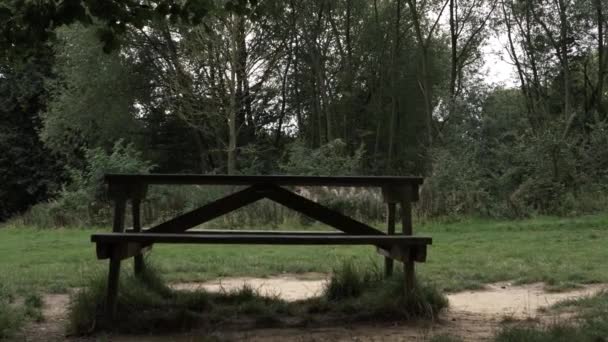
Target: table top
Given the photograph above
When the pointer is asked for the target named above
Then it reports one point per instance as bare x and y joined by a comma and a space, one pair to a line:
350, 181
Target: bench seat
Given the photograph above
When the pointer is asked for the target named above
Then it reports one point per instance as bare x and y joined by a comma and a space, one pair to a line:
124, 245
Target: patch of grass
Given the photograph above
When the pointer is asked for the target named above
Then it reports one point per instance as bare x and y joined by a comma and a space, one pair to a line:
562, 286
590, 305
556, 332
146, 304
350, 281
10, 320
589, 325
362, 293
15, 311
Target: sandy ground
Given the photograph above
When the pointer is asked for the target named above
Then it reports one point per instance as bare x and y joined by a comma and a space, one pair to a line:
473, 315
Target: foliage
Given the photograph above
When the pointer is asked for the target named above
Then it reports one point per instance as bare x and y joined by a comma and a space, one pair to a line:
347, 87
83, 201
92, 98
28, 25
492, 165
328, 160
29, 172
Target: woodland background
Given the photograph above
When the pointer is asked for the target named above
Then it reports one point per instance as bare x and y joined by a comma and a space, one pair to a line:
315, 87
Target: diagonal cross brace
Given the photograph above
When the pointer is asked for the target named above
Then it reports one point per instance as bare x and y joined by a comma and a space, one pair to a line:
210, 211
319, 212
254, 193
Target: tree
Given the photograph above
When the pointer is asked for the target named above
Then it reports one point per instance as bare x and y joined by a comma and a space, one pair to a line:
29, 172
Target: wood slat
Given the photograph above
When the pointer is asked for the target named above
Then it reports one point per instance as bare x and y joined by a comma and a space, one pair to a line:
210, 211
253, 231
319, 212
355, 181
292, 239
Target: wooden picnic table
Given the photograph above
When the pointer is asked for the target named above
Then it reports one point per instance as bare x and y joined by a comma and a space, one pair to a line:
121, 244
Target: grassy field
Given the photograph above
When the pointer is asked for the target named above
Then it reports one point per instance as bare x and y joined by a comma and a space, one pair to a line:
562, 252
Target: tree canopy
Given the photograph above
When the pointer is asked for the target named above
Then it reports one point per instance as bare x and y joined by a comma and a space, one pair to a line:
269, 86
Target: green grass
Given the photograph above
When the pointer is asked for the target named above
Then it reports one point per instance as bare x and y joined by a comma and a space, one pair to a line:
465, 254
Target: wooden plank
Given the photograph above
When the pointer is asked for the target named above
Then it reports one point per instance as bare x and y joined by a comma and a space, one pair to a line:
255, 231
118, 226
138, 262
211, 210
406, 225
390, 230
121, 251
146, 238
112, 290
319, 212
355, 181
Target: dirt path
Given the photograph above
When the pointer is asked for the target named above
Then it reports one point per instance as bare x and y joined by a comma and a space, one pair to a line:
473, 315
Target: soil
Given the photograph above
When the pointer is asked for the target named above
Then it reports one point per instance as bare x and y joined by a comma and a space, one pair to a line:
473, 315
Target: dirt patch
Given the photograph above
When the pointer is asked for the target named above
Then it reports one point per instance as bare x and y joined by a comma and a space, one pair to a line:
515, 301
499, 299
287, 287
473, 315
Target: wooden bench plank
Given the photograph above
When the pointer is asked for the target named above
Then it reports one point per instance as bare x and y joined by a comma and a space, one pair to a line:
252, 231
283, 239
354, 181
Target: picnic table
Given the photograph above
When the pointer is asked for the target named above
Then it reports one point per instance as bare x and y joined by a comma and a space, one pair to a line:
124, 243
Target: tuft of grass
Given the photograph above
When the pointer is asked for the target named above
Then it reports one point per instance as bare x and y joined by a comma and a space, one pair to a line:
15, 311
10, 320
350, 281
362, 293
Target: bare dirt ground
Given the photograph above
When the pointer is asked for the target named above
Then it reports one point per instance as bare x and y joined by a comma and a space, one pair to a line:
473, 315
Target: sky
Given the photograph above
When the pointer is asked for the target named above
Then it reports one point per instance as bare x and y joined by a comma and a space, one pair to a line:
497, 64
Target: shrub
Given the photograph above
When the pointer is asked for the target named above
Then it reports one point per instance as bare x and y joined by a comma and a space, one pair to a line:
82, 201
331, 159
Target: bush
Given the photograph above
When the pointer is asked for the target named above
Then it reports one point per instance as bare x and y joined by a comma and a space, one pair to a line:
331, 159
83, 201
